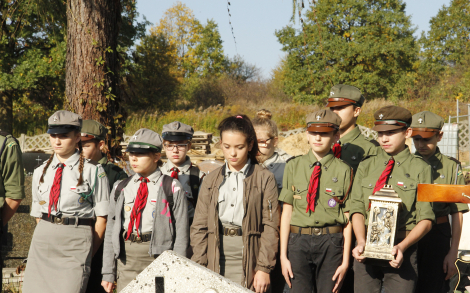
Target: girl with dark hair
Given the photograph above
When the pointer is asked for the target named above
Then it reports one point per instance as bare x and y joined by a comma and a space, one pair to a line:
70, 204
235, 231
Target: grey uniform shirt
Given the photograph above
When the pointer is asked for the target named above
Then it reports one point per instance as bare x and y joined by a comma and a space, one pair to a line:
276, 164
148, 213
70, 204
183, 178
231, 195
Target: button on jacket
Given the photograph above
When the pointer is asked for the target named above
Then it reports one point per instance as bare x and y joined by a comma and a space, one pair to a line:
276, 164
335, 179
408, 171
446, 171
355, 147
71, 203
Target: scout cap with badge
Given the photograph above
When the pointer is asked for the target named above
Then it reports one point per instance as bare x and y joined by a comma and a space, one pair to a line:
343, 94
323, 121
63, 122
92, 129
144, 141
426, 124
391, 118
177, 131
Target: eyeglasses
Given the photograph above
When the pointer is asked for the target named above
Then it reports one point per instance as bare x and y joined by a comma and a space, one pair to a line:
180, 147
264, 143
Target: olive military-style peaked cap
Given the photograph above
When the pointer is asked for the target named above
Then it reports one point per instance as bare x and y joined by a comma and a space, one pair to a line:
92, 129
342, 94
145, 140
63, 122
391, 118
426, 124
177, 131
323, 121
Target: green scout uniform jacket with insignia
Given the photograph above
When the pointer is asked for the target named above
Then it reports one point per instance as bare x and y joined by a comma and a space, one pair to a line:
113, 172
12, 171
335, 179
408, 171
446, 171
355, 147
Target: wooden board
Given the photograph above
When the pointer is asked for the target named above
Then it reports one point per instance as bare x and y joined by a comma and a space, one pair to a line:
444, 193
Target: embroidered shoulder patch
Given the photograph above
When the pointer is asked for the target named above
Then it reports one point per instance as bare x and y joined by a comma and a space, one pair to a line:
12, 144
102, 175
459, 173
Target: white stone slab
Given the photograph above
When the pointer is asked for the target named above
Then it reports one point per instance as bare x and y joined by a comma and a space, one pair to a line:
181, 275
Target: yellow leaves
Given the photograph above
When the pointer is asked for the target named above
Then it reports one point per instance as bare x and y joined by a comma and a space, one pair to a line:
346, 35
459, 96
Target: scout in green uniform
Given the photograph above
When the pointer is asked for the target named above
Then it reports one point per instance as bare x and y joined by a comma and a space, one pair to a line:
12, 179
352, 147
177, 142
438, 250
93, 143
394, 164
314, 222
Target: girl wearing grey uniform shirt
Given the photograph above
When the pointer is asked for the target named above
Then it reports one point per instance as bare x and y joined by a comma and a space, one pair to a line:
70, 204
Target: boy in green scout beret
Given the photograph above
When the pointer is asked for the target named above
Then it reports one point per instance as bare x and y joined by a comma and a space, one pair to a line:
177, 142
352, 147
315, 234
438, 250
93, 136
396, 166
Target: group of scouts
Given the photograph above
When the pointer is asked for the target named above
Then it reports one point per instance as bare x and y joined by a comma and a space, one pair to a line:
264, 219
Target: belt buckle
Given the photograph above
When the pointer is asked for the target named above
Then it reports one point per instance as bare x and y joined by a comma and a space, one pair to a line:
138, 239
317, 231
58, 220
232, 232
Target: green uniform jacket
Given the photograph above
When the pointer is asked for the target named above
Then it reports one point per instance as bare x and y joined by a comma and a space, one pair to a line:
12, 179
355, 147
335, 179
113, 172
408, 171
446, 171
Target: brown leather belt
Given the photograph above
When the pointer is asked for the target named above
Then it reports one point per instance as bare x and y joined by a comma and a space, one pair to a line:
231, 231
442, 220
68, 220
316, 231
143, 237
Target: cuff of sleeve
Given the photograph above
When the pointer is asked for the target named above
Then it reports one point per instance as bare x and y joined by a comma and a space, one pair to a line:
352, 212
109, 278
263, 269
36, 215
181, 250
17, 193
101, 208
286, 197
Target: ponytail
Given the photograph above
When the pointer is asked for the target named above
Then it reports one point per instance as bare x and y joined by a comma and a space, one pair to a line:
242, 124
45, 168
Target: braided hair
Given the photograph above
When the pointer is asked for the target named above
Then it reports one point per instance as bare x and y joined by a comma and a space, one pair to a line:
45, 168
242, 124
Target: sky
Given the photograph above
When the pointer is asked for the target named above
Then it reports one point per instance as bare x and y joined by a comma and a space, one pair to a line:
255, 22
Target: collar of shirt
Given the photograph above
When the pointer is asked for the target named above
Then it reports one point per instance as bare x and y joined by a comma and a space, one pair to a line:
183, 168
244, 170
350, 136
152, 177
104, 160
435, 159
325, 161
70, 162
271, 160
400, 158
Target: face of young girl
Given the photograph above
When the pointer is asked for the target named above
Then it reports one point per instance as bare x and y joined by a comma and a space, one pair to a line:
266, 144
235, 149
91, 150
64, 144
321, 142
144, 163
176, 151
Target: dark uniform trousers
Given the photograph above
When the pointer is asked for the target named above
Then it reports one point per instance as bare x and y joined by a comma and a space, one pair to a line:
432, 249
314, 260
373, 275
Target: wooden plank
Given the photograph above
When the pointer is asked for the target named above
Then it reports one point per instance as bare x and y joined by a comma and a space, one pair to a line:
444, 193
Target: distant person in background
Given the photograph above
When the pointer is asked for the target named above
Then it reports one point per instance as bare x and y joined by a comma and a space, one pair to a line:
235, 231
274, 160
12, 179
93, 138
70, 203
177, 142
148, 214
438, 250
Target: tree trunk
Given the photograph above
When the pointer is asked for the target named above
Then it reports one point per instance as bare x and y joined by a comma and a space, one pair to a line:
92, 66
6, 113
